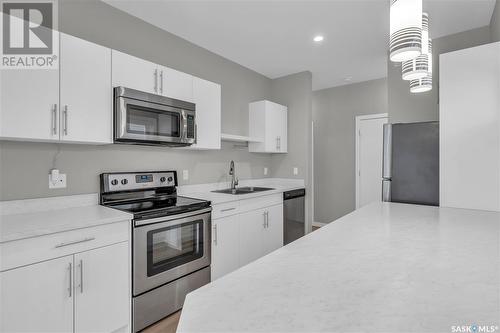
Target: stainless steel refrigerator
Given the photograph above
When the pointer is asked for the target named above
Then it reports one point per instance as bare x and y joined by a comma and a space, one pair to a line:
411, 163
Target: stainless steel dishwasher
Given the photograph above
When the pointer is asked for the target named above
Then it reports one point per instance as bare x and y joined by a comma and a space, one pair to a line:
294, 216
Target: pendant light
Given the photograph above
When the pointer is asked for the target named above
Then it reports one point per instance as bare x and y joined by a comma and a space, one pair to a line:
418, 68
405, 29
423, 84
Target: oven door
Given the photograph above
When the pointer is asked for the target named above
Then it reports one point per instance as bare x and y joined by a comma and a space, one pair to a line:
165, 249
145, 122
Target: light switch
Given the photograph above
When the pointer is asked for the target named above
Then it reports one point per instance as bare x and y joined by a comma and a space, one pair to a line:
295, 171
185, 174
265, 171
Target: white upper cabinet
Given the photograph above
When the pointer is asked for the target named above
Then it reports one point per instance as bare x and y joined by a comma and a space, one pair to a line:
175, 84
143, 75
135, 73
86, 94
29, 104
207, 96
268, 123
469, 113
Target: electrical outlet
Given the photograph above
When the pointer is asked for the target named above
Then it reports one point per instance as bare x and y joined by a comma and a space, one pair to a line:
295, 171
185, 174
60, 182
265, 171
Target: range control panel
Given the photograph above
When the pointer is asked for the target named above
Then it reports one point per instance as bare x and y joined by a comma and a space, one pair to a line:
114, 182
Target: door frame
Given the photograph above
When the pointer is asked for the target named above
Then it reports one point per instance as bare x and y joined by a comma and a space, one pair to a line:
356, 134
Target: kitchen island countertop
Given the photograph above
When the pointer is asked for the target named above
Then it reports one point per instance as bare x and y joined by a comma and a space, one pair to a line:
384, 268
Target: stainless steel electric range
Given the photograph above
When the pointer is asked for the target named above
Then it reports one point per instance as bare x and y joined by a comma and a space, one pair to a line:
170, 240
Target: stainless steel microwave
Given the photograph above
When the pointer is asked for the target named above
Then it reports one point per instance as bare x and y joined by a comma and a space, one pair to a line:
148, 119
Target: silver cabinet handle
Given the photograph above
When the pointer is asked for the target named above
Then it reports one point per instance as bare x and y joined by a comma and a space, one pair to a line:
54, 119
70, 289
81, 276
75, 242
215, 234
227, 209
65, 114
277, 144
161, 82
264, 224
156, 80
267, 219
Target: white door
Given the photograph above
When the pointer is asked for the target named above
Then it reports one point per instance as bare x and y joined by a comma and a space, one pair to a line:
273, 123
252, 243
132, 72
86, 94
207, 96
369, 155
274, 230
102, 289
225, 246
29, 104
38, 298
175, 84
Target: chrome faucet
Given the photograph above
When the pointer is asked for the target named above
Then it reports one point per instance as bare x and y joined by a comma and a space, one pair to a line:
232, 173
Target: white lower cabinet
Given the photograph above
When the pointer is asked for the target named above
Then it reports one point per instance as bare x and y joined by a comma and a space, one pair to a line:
254, 229
225, 246
85, 290
101, 289
38, 298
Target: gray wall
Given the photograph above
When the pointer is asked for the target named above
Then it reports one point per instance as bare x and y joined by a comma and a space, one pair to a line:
24, 166
295, 91
334, 112
407, 107
495, 23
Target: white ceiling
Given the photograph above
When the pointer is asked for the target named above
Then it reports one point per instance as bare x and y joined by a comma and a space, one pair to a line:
274, 38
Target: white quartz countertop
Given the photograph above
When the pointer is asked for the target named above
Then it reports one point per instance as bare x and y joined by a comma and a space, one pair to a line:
204, 191
34, 223
384, 268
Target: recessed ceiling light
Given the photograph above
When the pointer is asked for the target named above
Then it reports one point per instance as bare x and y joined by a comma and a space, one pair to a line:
348, 78
318, 38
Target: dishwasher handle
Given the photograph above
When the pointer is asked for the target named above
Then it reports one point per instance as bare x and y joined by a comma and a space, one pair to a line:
294, 194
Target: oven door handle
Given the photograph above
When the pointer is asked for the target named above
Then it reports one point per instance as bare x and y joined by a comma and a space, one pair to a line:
139, 223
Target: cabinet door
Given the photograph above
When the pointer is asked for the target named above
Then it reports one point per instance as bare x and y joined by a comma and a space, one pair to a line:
132, 72
38, 298
225, 246
86, 94
207, 96
29, 104
273, 119
102, 292
274, 230
469, 126
283, 137
252, 244
175, 84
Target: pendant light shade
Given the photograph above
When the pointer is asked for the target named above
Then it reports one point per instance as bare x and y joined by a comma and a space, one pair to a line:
405, 29
423, 84
418, 68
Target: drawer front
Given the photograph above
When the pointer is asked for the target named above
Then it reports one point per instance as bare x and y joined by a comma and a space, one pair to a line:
225, 209
32, 250
260, 202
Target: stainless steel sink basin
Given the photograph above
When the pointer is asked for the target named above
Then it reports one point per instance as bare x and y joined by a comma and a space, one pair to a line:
244, 190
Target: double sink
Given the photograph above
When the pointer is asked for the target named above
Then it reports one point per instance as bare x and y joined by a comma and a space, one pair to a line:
244, 190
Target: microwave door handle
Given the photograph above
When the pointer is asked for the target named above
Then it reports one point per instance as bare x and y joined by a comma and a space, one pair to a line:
184, 126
